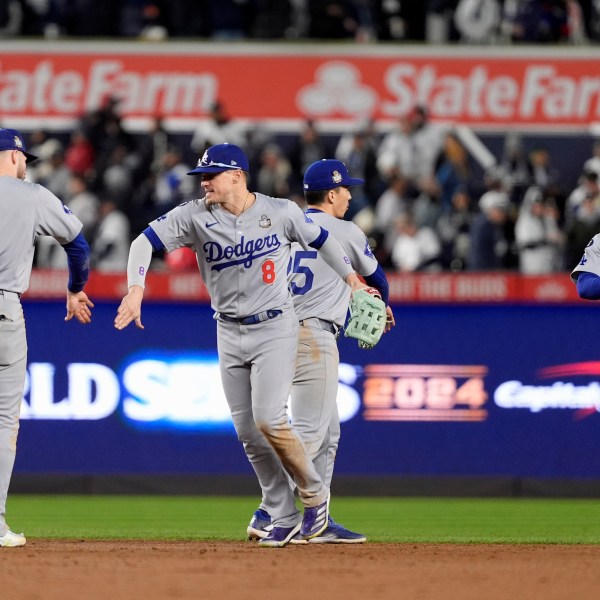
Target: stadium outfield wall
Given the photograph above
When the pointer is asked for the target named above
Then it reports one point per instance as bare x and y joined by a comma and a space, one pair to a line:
488, 385
464, 287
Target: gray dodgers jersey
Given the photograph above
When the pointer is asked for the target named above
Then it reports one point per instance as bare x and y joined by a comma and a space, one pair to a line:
28, 210
590, 261
317, 290
243, 259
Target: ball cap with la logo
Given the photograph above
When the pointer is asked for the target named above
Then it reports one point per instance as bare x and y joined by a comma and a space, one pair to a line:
222, 157
328, 174
10, 139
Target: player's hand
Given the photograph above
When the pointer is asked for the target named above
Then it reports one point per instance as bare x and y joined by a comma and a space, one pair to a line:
390, 321
131, 308
78, 306
354, 282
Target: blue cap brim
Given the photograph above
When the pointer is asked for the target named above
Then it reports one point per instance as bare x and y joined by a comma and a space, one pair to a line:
212, 169
348, 182
352, 181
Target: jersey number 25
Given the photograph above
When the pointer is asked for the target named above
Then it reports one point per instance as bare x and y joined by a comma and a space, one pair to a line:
300, 269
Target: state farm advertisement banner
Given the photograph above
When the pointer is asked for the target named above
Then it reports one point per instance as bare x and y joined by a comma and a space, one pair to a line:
54, 82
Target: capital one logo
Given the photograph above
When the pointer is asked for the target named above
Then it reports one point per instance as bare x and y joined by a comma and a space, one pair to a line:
337, 88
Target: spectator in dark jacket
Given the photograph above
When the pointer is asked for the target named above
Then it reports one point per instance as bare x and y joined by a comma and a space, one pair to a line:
488, 243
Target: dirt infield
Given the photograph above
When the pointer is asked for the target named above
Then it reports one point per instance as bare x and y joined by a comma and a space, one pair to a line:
51, 569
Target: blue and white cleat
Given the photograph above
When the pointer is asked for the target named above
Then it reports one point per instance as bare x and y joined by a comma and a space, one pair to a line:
260, 525
338, 534
315, 520
12, 540
281, 536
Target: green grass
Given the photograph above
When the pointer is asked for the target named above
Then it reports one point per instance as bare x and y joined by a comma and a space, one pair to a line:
431, 520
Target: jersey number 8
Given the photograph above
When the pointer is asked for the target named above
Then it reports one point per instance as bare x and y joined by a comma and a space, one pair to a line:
268, 271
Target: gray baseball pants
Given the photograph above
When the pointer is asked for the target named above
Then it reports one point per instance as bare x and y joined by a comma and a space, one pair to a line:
257, 364
13, 364
314, 396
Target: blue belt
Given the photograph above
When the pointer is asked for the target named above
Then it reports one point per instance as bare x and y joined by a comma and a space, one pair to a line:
252, 319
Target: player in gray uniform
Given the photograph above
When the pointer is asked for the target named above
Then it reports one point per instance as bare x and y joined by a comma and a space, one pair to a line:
28, 210
242, 242
586, 275
321, 304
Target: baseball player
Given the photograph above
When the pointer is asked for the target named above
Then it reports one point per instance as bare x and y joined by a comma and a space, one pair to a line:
586, 275
321, 303
28, 210
242, 242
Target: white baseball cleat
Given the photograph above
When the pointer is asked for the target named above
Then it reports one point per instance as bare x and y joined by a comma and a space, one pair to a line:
12, 540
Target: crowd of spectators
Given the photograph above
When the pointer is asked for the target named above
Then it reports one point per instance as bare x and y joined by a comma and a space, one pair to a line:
426, 205
433, 21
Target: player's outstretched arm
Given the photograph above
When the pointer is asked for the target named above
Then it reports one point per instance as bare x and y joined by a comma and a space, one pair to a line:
130, 308
78, 306
78, 260
334, 255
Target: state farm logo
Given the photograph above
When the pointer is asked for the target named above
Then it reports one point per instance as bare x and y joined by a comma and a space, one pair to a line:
484, 90
337, 88
424, 393
473, 91
51, 89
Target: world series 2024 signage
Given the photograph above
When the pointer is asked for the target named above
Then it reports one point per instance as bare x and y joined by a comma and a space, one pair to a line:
425, 393
474, 389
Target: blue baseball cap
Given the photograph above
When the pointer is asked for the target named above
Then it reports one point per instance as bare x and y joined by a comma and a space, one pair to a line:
10, 139
327, 174
222, 157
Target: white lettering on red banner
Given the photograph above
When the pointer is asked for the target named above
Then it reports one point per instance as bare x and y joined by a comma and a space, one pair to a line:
530, 88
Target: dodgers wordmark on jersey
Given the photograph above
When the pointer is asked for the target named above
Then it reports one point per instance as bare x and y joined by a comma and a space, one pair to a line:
316, 293
243, 259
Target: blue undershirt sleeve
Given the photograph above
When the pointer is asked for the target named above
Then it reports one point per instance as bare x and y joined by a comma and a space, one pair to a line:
379, 280
78, 258
588, 286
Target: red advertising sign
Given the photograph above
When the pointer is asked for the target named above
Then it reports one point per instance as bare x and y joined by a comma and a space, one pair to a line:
488, 288
488, 89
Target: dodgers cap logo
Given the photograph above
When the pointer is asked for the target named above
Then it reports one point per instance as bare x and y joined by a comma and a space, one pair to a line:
222, 157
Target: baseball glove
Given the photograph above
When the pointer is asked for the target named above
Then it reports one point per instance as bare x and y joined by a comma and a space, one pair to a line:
367, 318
